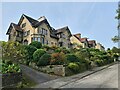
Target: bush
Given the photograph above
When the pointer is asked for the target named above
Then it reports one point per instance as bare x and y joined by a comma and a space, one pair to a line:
44, 60
45, 47
74, 67
99, 62
72, 58
64, 50
29, 50
53, 47
37, 54
8, 67
36, 44
58, 58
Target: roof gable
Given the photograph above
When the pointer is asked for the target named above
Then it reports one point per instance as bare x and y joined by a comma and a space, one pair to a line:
15, 26
32, 21
92, 42
62, 30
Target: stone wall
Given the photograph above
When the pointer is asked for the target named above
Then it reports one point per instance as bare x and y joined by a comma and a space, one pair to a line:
55, 69
59, 70
11, 79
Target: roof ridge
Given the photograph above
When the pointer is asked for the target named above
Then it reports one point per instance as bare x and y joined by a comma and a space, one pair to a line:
62, 27
29, 17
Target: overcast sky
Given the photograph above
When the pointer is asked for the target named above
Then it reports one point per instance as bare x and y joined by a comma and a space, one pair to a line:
95, 20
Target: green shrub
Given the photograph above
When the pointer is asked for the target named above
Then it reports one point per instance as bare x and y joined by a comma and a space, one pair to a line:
29, 50
72, 58
36, 44
37, 54
44, 60
64, 50
74, 67
82, 66
11, 51
58, 58
10, 67
99, 62
45, 47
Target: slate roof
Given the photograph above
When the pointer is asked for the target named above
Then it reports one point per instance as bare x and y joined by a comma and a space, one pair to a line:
31, 20
92, 41
18, 28
63, 29
81, 39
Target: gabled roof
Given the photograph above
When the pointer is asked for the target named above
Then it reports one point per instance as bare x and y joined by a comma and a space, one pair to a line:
77, 34
81, 39
31, 20
63, 29
18, 28
54, 36
92, 42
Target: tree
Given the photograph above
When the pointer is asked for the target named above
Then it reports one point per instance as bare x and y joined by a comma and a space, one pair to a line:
12, 51
116, 39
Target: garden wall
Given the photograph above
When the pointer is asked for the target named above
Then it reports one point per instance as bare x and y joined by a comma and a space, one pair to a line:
11, 79
56, 69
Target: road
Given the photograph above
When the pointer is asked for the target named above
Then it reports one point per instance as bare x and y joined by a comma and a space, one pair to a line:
106, 78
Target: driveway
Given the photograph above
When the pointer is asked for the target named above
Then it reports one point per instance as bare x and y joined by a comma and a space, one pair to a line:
37, 76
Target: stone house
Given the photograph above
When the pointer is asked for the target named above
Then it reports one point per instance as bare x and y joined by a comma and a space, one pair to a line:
79, 42
29, 29
100, 47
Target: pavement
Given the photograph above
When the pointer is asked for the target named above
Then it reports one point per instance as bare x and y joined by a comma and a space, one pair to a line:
100, 77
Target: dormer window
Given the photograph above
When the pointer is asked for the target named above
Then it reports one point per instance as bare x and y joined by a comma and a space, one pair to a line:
23, 25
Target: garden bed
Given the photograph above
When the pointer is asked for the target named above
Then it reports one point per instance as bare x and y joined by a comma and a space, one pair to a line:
11, 79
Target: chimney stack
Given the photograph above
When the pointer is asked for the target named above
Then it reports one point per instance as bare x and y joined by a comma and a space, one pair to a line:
41, 18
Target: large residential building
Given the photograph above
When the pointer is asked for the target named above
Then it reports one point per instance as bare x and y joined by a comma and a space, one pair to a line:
100, 47
78, 42
29, 29
92, 43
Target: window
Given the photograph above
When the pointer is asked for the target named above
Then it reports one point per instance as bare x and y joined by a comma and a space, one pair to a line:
55, 43
23, 25
25, 42
14, 34
52, 43
47, 42
35, 38
27, 33
38, 39
42, 40
60, 44
42, 31
63, 36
